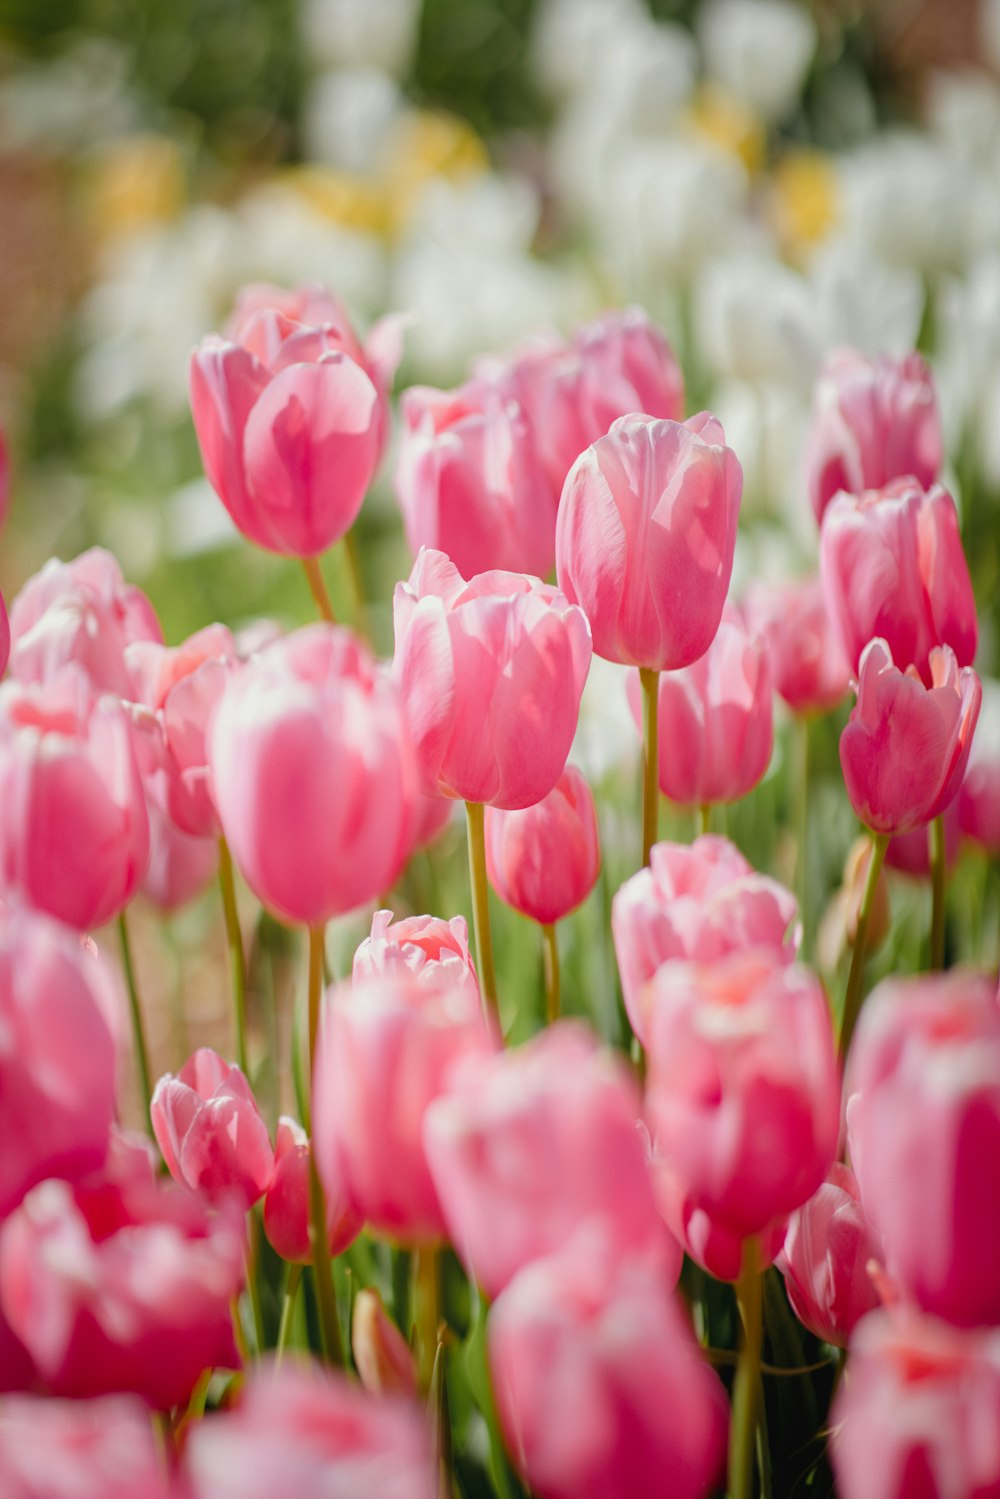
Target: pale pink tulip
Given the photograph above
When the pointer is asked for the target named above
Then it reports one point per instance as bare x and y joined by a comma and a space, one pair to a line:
491, 672
645, 538
544, 860
905, 748
382, 1356
179, 866
698, 902
286, 1203
826, 1256
425, 948
874, 420
808, 668
210, 1130
76, 1449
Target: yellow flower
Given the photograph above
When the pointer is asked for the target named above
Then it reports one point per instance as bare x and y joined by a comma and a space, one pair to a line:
729, 125
429, 144
348, 200
804, 201
136, 181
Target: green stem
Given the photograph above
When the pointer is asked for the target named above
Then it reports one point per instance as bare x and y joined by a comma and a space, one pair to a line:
361, 622
287, 1312
650, 681
252, 1261
551, 951
702, 819
475, 814
135, 1009
333, 1347
854, 995
939, 879
318, 588
747, 1383
802, 821
426, 1273
237, 960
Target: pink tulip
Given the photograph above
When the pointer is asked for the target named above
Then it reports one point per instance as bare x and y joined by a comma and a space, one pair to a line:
469, 484
290, 429
571, 393
978, 800
537, 1144
909, 853
179, 866
425, 948
918, 1417
286, 1204
892, 566
874, 420
312, 774
905, 748
828, 1249
60, 1016
808, 668
386, 1050
743, 1096
923, 1118
599, 1385
544, 860
121, 1285
74, 833
80, 612
491, 672
645, 538
382, 1356
210, 1130
72, 1449
304, 1431
716, 720
700, 903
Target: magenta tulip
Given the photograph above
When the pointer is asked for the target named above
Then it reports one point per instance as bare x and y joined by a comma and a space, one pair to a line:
544, 860
874, 420
491, 672
808, 668
828, 1250
73, 1449
210, 1130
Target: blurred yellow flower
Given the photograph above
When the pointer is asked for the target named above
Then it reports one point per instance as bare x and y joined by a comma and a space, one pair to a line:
804, 201
348, 200
428, 144
136, 181
729, 125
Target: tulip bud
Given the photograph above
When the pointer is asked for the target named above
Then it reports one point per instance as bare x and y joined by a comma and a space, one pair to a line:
381, 1354
544, 860
210, 1130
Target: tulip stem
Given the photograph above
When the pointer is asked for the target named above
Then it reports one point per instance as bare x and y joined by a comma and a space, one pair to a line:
329, 1323
135, 1009
939, 879
853, 997
234, 937
426, 1272
287, 1312
551, 951
361, 622
650, 759
318, 588
746, 1386
801, 727
476, 819
252, 1259
703, 819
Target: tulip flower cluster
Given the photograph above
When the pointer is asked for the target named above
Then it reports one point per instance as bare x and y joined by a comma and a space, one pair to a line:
534, 1236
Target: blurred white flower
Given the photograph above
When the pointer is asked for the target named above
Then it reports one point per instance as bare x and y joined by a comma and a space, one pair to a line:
860, 301
572, 38
348, 117
754, 319
967, 366
758, 50
361, 33
910, 200
963, 109
606, 738
70, 101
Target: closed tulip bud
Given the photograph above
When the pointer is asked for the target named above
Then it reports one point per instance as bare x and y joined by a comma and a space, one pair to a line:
808, 668
979, 798
491, 672
544, 860
892, 566
827, 1251
716, 720
923, 1118
599, 1385
286, 1203
920, 1412
381, 1355
425, 948
72, 1449
697, 902
645, 538
874, 420
906, 746
469, 484
313, 775
210, 1130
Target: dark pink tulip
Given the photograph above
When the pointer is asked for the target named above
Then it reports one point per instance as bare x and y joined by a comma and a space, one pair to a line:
307, 1432
491, 672
599, 1385
743, 1096
827, 1251
290, 429
536, 1144
892, 566
286, 1203
923, 1118
572, 392
645, 538
424, 948
716, 720
387, 1049
383, 1358
121, 1283
698, 902
874, 420
74, 832
905, 748
80, 612
909, 853
74, 1449
469, 484
60, 1016
808, 668
313, 775
918, 1417
210, 1130
544, 860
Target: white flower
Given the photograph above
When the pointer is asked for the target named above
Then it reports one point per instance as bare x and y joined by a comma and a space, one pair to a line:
754, 319
361, 33
349, 115
758, 50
